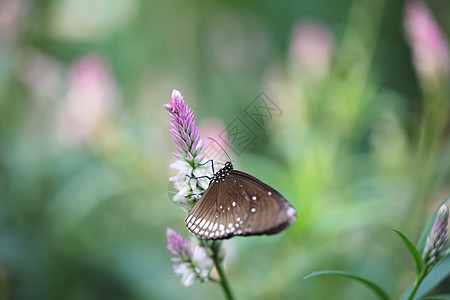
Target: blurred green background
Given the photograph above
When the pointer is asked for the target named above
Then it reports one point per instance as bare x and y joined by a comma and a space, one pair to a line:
361, 146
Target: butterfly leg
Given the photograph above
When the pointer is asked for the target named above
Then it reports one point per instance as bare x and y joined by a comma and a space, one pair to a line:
193, 177
212, 165
209, 160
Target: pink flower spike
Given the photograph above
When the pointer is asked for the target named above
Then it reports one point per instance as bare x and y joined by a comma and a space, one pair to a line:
184, 130
188, 143
191, 261
437, 239
429, 46
177, 245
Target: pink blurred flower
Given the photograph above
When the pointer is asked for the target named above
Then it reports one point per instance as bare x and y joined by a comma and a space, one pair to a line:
214, 128
429, 46
91, 99
311, 48
10, 15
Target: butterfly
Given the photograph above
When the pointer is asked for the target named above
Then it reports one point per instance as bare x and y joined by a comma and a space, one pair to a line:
238, 204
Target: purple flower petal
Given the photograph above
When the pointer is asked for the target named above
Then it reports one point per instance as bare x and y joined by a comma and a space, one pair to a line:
189, 156
437, 239
168, 106
184, 129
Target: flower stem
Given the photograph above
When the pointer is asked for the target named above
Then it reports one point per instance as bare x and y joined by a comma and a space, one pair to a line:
223, 277
416, 286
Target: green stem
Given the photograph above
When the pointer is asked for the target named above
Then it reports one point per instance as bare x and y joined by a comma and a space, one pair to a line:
416, 286
223, 277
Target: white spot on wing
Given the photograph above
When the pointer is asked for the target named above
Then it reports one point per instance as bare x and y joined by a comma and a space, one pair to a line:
254, 198
230, 225
196, 230
221, 227
202, 223
290, 213
234, 203
211, 226
198, 221
215, 226
269, 193
253, 209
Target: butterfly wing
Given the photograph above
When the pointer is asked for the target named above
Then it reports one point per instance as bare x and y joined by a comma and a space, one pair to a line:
269, 212
239, 205
202, 219
218, 214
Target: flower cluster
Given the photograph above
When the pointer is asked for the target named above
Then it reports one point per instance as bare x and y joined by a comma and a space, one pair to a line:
191, 261
187, 140
436, 241
192, 258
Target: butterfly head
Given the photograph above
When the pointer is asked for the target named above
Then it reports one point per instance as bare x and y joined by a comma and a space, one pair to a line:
228, 165
222, 173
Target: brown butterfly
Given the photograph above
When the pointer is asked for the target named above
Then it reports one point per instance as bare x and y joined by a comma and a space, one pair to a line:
238, 204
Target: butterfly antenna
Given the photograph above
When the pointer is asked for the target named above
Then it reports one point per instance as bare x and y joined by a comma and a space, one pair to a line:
220, 147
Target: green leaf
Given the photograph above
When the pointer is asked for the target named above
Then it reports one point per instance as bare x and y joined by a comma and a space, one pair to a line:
371, 285
439, 297
418, 261
427, 230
